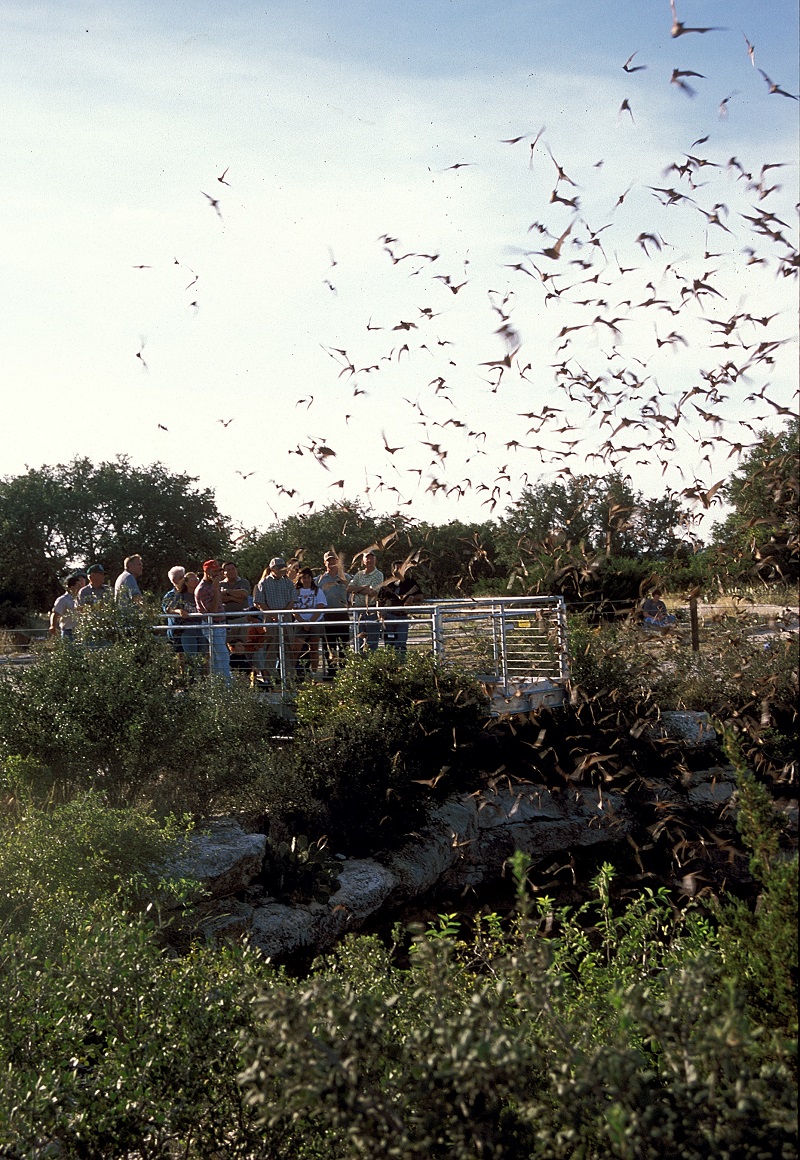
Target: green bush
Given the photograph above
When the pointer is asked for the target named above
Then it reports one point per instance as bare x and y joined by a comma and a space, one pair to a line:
620, 1042
112, 713
373, 749
110, 1047
80, 851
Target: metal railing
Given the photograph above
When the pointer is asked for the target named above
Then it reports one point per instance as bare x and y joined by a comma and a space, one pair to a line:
514, 645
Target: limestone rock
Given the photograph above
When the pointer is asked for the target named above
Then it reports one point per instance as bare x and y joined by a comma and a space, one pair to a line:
686, 727
711, 789
279, 930
231, 921
223, 858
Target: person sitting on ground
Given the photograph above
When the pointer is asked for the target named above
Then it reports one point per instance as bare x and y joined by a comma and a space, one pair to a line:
96, 589
126, 587
654, 611
309, 602
62, 617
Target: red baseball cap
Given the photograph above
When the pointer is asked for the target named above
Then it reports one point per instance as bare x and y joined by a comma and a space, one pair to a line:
211, 565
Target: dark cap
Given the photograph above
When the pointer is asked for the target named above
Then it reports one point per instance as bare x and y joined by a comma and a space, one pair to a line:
277, 562
96, 568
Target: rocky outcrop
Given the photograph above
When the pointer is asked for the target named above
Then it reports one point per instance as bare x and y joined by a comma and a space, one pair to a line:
221, 857
686, 728
466, 843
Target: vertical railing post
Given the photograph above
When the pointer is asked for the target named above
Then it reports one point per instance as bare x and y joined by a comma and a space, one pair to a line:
282, 653
208, 623
563, 643
694, 623
503, 652
496, 650
437, 631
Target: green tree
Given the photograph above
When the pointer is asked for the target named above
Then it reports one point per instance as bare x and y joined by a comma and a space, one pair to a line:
454, 557
763, 526
56, 517
346, 527
594, 515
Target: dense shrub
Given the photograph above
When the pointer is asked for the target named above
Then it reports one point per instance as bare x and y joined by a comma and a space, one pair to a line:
373, 749
112, 713
111, 1047
626, 1044
82, 851
618, 1035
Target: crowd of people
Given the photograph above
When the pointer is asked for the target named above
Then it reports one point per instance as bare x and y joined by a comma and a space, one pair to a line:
291, 620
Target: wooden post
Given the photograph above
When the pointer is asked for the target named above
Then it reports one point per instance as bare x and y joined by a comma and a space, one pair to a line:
694, 623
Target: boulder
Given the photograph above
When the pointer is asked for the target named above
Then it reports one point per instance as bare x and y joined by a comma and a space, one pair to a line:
223, 858
686, 727
279, 930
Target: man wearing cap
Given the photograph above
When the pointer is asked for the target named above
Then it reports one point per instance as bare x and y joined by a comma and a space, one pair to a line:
363, 588
96, 589
126, 586
333, 582
235, 590
273, 593
62, 617
208, 601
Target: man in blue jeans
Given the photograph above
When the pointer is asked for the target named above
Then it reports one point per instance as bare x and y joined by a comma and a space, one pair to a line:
208, 600
363, 589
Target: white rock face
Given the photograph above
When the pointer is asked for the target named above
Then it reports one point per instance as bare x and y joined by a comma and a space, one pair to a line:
466, 842
223, 858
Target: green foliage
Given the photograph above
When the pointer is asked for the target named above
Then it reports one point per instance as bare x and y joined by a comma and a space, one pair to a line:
107, 1043
82, 850
591, 514
346, 527
760, 949
301, 871
456, 559
376, 746
111, 1047
622, 1043
114, 715
602, 661
763, 526
52, 518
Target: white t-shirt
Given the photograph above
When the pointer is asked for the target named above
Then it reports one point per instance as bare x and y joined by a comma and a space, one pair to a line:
64, 608
306, 600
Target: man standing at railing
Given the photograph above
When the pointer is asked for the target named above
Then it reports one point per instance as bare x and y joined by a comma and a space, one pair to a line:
362, 589
333, 582
208, 600
235, 590
126, 587
274, 593
96, 589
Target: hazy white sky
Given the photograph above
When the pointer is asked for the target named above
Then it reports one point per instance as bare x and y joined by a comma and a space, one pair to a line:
334, 124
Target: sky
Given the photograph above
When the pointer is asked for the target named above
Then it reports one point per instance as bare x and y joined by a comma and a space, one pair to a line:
296, 251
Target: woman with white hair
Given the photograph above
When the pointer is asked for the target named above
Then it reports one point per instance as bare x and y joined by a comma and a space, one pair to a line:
177, 604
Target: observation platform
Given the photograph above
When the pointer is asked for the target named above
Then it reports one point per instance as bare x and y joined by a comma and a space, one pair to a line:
516, 647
